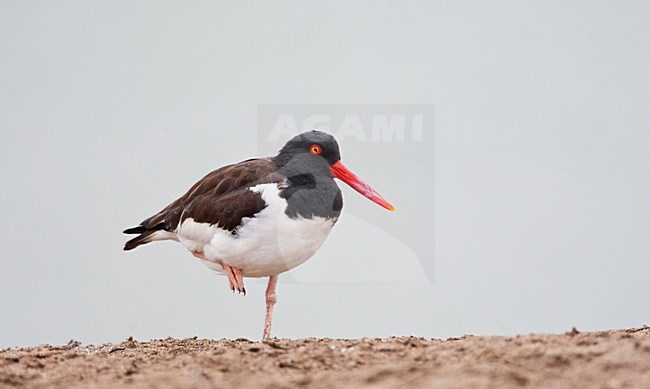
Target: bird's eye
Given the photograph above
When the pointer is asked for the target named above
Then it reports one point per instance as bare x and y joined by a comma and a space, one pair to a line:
315, 149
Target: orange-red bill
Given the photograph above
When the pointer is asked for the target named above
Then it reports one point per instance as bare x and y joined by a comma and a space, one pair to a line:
344, 174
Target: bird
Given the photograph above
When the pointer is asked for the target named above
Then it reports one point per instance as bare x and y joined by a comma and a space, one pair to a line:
260, 217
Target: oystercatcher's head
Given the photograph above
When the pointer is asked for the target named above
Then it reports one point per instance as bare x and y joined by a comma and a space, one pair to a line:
317, 152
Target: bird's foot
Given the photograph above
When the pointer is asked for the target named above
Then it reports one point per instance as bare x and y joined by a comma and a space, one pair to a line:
274, 343
235, 279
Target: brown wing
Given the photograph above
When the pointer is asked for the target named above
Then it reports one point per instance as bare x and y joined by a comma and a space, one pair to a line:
221, 197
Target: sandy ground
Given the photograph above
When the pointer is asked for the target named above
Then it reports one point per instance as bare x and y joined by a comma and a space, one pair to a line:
610, 359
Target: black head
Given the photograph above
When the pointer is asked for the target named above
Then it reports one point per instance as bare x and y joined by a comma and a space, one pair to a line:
312, 151
314, 156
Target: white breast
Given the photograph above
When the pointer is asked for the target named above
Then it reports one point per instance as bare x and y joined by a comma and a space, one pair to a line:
267, 244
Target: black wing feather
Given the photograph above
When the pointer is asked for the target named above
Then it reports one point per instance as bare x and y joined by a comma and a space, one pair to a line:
221, 197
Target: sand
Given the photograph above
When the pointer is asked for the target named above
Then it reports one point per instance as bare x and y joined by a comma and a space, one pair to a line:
609, 359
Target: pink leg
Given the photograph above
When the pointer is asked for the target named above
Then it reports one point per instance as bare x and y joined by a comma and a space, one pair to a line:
271, 299
235, 279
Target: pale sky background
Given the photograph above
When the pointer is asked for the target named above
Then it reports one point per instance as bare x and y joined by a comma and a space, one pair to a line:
539, 174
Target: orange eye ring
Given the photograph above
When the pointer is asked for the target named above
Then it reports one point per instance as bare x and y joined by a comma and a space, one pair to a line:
315, 149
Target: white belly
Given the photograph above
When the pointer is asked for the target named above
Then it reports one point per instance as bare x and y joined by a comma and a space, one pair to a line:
268, 244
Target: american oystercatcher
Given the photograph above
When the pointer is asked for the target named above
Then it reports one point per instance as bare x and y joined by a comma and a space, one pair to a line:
260, 217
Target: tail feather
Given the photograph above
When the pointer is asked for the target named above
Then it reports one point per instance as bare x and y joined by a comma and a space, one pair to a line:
146, 235
143, 238
135, 230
